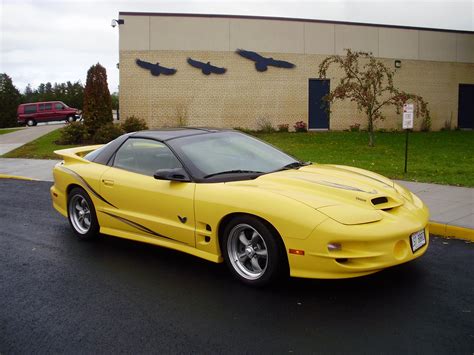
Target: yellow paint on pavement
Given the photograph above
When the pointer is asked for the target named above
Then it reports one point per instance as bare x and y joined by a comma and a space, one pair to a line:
5, 176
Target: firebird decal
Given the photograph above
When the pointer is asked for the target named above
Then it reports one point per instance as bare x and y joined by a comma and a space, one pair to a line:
139, 226
85, 184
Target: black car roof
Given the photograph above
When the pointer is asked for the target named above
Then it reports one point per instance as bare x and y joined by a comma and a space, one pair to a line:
162, 135
165, 134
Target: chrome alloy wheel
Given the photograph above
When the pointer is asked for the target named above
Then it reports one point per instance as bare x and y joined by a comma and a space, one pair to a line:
80, 214
247, 251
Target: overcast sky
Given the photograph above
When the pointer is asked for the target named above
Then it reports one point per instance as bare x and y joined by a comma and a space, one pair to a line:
57, 41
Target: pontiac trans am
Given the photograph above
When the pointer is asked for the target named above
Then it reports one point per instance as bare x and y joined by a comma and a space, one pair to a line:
227, 197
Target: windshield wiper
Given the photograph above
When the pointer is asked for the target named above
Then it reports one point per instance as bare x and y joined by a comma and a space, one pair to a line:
294, 165
234, 172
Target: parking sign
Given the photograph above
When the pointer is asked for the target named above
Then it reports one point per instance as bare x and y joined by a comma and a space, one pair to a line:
408, 116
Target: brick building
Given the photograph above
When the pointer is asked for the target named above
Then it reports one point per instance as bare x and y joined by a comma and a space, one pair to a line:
437, 64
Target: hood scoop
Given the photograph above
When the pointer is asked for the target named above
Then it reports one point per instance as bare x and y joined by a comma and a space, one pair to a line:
385, 203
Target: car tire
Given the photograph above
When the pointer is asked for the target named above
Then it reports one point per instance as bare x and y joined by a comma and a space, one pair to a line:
70, 119
31, 123
81, 214
253, 251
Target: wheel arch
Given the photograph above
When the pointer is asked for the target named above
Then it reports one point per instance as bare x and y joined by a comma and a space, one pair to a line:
72, 186
229, 217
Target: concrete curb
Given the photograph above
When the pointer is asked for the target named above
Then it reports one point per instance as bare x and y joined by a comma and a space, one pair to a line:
4, 176
448, 231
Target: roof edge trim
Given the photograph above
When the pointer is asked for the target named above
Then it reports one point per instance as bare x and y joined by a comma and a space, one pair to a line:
291, 19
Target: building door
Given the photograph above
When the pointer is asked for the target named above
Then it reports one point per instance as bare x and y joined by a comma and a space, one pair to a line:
466, 106
318, 115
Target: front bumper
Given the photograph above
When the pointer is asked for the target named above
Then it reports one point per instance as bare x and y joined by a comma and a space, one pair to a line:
365, 248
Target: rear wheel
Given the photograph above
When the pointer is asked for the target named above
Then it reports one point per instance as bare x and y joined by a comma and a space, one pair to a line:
31, 123
252, 251
81, 214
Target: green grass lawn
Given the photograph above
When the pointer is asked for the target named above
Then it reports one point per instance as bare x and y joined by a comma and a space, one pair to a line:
41, 148
439, 157
8, 130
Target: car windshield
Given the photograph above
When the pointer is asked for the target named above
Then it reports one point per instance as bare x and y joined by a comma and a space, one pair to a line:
225, 153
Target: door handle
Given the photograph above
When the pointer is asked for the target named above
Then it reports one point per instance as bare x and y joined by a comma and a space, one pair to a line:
108, 182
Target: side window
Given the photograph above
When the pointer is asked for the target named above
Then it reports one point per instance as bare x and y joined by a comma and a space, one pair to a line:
59, 106
41, 107
30, 109
145, 156
48, 107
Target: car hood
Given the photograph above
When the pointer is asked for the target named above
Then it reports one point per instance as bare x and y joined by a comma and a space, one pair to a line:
345, 194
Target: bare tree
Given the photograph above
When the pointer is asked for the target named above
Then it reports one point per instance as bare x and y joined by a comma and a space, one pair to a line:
369, 83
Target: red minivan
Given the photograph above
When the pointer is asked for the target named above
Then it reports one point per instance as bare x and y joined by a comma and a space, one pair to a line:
32, 113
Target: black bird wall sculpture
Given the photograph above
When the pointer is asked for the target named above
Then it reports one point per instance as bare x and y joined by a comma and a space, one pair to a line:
206, 68
262, 63
155, 69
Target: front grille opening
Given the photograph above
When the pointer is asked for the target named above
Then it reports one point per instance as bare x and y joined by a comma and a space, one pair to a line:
342, 260
387, 209
379, 200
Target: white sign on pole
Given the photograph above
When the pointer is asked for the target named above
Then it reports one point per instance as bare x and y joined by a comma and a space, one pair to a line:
408, 116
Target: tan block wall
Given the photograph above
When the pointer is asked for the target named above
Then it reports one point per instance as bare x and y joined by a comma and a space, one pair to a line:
242, 96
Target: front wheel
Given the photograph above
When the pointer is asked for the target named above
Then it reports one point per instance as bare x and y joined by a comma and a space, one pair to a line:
31, 123
70, 119
252, 251
81, 214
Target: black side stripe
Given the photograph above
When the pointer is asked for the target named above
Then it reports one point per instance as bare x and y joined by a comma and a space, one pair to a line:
140, 227
86, 185
367, 176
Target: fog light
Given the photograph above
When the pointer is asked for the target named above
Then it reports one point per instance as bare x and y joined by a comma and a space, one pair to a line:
334, 246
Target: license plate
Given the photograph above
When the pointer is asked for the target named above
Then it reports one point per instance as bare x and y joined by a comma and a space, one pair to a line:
417, 240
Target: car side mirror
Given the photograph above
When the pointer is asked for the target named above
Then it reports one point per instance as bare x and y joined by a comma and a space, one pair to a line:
176, 174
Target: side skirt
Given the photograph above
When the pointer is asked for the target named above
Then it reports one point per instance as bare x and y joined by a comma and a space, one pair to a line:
163, 243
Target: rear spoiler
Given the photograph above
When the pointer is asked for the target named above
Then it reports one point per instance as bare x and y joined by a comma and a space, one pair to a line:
76, 154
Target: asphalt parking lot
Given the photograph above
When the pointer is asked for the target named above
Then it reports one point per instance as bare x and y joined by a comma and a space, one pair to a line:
59, 295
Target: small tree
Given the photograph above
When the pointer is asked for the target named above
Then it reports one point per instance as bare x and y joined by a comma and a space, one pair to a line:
371, 87
97, 108
10, 98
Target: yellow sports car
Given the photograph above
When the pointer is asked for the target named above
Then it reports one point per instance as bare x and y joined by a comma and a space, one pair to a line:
222, 195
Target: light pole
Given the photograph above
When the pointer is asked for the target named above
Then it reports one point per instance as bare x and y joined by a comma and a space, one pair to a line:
113, 24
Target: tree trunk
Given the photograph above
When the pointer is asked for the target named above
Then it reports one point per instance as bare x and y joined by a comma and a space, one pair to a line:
370, 128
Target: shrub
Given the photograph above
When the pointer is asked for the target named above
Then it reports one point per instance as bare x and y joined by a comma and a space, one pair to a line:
355, 127
244, 130
284, 127
447, 125
133, 124
426, 123
106, 133
181, 115
73, 133
300, 126
264, 125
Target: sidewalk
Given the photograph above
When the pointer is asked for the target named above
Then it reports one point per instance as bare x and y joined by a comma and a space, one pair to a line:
37, 169
449, 205
11, 141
